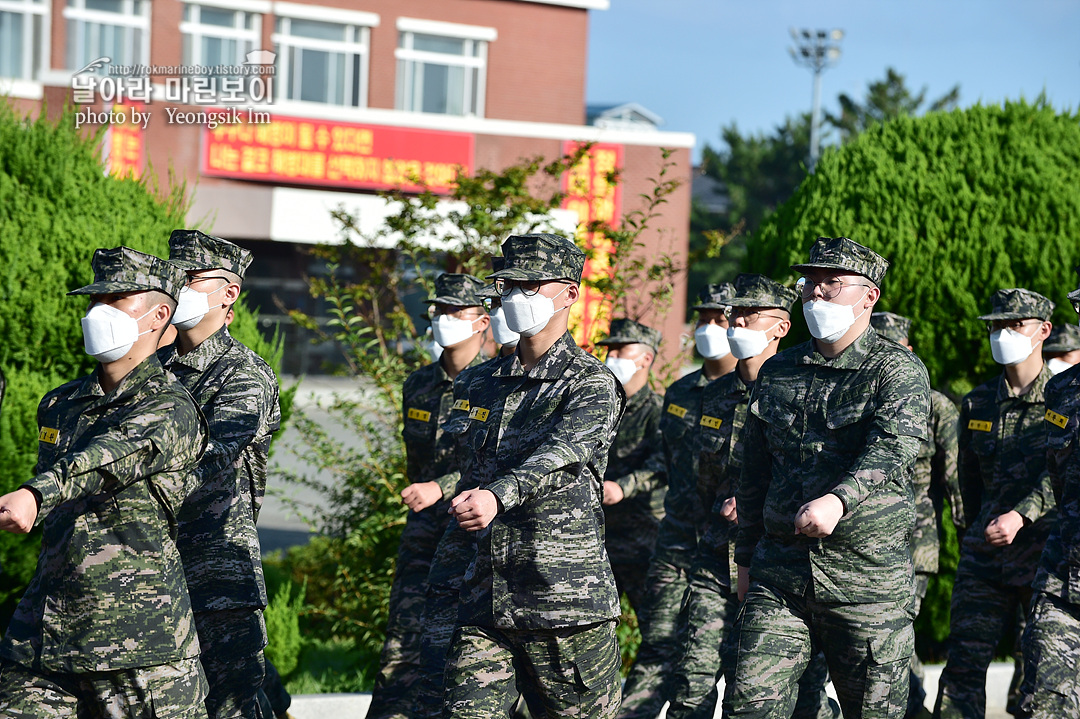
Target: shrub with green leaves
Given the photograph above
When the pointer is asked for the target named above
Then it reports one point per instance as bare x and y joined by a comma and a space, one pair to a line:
962, 203
57, 205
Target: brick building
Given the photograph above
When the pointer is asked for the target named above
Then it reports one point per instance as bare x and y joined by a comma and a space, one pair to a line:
360, 94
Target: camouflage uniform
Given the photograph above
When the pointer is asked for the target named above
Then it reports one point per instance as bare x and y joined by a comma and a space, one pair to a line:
219, 545
850, 426
636, 464
685, 511
427, 396
707, 618
1052, 638
105, 627
1002, 467
538, 600
935, 479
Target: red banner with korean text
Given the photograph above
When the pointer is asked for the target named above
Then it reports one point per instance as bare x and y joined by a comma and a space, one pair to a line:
326, 153
124, 140
590, 193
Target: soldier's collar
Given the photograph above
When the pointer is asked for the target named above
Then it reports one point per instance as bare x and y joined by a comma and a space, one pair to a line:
852, 357
1035, 394
91, 385
552, 364
205, 353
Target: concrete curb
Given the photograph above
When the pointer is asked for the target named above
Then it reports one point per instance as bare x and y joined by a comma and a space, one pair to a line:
355, 706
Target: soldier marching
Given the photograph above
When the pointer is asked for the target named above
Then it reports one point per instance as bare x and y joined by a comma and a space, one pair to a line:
773, 517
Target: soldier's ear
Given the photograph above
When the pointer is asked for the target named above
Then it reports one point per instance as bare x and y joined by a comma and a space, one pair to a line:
573, 291
783, 328
232, 293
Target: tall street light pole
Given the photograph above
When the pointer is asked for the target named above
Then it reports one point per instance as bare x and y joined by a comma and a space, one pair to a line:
817, 50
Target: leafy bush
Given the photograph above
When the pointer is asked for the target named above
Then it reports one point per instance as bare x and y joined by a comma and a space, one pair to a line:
283, 628
57, 205
962, 203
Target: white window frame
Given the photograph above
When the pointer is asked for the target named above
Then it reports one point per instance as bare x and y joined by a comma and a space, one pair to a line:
76, 11
286, 44
480, 36
196, 30
32, 67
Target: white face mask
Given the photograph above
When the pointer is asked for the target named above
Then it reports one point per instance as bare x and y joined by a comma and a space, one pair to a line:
828, 321
623, 369
1009, 347
746, 343
191, 307
500, 331
529, 315
1057, 365
449, 331
711, 341
110, 333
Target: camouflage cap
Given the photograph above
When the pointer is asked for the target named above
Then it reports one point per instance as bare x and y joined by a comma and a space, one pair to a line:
1063, 338
540, 257
846, 255
625, 331
759, 291
891, 326
488, 292
123, 269
193, 250
456, 289
715, 297
1018, 304
1074, 296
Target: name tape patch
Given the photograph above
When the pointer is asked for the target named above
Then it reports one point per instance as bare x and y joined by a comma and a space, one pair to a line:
48, 435
479, 413
1054, 418
462, 404
713, 422
676, 410
419, 414
980, 426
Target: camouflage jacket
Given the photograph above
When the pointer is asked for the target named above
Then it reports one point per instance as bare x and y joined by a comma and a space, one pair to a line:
238, 394
849, 426
636, 464
112, 472
684, 514
935, 479
539, 441
723, 420
1002, 442
1059, 568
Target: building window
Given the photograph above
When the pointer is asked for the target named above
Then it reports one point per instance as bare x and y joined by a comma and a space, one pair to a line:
116, 29
216, 35
441, 67
22, 40
322, 61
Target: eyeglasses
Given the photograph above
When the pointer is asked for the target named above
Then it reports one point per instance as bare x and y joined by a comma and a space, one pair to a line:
529, 288
1014, 325
461, 313
192, 280
830, 288
750, 316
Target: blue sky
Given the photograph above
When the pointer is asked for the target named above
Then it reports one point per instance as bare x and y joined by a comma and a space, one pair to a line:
701, 64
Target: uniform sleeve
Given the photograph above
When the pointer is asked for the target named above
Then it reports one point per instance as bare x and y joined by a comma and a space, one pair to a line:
584, 426
753, 487
652, 474
1040, 500
165, 436
899, 425
240, 414
943, 465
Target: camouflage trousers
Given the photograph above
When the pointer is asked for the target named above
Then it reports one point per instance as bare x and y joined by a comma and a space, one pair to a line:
1052, 659
232, 642
571, 672
274, 700
170, 690
982, 611
400, 660
917, 694
666, 586
867, 647
707, 641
